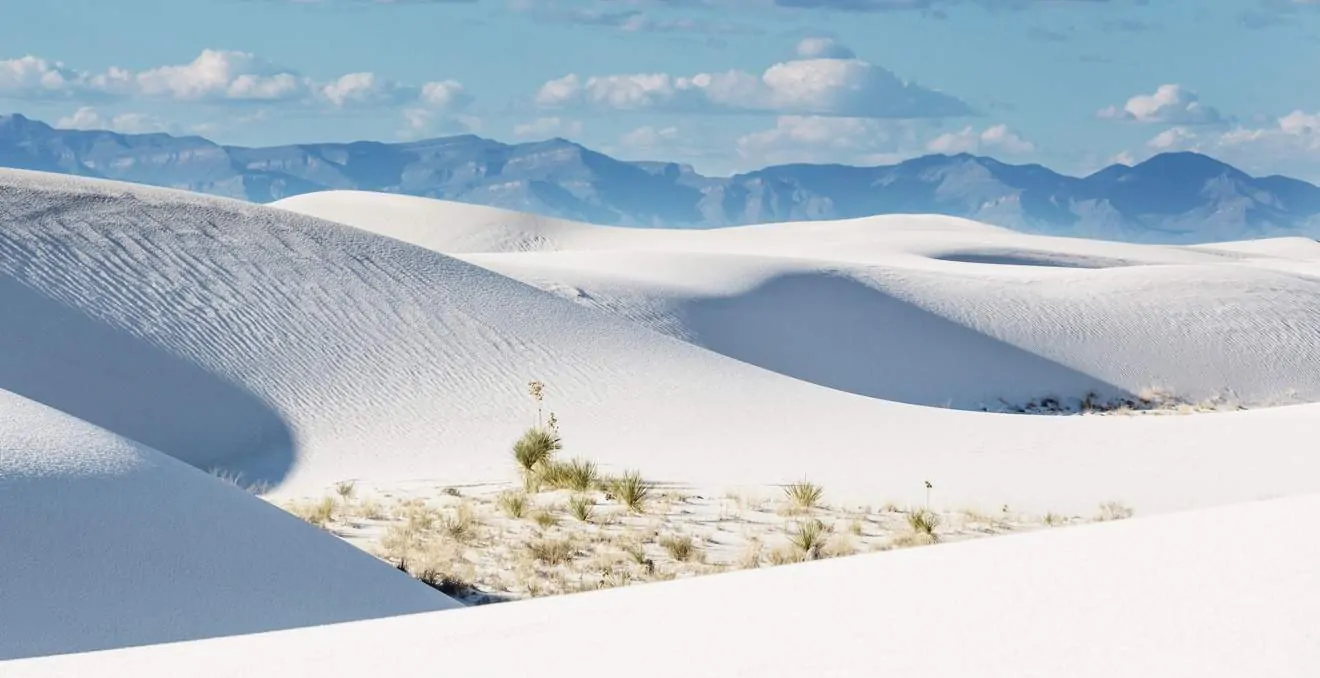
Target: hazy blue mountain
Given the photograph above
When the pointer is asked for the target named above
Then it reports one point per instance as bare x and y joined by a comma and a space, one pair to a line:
1173, 197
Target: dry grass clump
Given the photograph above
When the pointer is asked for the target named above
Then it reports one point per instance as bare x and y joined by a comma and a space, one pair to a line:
1114, 511
371, 509
345, 489
235, 478
319, 512
681, 548
582, 507
551, 551
514, 504
461, 524
803, 495
924, 522
545, 519
632, 491
578, 475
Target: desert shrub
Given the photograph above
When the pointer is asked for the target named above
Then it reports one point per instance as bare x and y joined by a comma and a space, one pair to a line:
535, 449
319, 513
581, 507
924, 522
632, 491
680, 547
1114, 511
551, 551
809, 538
514, 504
578, 475
545, 519
345, 488
804, 495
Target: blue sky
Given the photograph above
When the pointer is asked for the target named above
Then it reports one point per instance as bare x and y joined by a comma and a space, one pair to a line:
725, 85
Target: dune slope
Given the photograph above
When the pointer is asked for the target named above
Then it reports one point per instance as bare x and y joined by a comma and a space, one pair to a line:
111, 544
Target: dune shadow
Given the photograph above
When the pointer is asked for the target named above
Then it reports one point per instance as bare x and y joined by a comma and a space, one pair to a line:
1044, 260
60, 356
837, 332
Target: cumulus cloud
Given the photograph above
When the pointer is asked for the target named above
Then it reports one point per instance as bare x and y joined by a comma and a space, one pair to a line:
217, 76
997, 138
648, 137
822, 139
1289, 143
1173, 104
548, 127
834, 86
88, 118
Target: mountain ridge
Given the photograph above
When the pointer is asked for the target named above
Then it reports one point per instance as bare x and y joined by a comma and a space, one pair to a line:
1178, 197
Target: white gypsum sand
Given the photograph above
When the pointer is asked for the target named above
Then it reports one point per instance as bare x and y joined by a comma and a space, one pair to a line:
1216, 593
295, 352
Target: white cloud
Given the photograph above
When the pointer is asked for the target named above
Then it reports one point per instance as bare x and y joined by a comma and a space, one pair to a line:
649, 137
823, 48
845, 87
1288, 144
968, 140
1168, 104
822, 139
548, 127
88, 118
219, 76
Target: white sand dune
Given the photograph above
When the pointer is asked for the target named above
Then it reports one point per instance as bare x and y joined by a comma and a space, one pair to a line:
301, 352
106, 543
311, 352
1221, 593
926, 310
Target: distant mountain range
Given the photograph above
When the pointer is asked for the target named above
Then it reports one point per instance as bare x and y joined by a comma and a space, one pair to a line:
1171, 198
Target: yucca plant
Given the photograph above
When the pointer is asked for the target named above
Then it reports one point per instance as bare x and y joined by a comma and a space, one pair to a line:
804, 495
809, 538
632, 491
923, 521
581, 507
535, 449
578, 475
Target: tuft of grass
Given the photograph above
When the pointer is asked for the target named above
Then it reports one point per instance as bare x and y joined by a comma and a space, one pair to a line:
461, 525
1053, 519
545, 519
345, 489
581, 507
1114, 511
809, 538
536, 448
924, 522
319, 513
680, 547
804, 495
551, 551
453, 492
578, 475
235, 478
514, 504
632, 491
371, 509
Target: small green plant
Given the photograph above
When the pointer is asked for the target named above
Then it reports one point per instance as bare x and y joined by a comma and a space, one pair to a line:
578, 475
514, 504
804, 495
924, 522
452, 492
345, 488
632, 491
551, 551
680, 547
809, 538
1053, 519
535, 449
637, 553
581, 507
